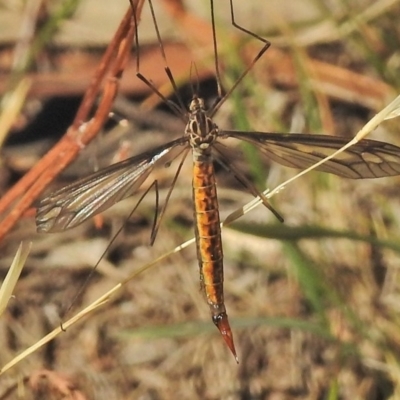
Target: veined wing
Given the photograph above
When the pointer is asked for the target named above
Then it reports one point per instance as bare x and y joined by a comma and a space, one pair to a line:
365, 159
73, 204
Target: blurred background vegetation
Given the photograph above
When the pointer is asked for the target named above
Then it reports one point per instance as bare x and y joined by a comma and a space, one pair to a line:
314, 303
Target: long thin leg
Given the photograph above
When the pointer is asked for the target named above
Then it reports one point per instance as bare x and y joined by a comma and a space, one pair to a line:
178, 109
230, 167
111, 242
162, 212
265, 47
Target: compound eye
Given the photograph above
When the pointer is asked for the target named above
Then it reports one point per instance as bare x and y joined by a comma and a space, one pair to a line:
194, 127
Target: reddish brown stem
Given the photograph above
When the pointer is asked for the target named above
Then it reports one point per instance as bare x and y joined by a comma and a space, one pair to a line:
79, 133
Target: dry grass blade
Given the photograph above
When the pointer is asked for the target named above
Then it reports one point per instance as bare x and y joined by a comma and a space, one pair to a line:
12, 107
46, 339
87, 311
8, 285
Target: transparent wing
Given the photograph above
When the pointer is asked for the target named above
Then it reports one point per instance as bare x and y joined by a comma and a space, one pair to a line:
366, 159
73, 204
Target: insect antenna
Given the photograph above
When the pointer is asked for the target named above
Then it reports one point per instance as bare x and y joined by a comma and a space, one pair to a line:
197, 80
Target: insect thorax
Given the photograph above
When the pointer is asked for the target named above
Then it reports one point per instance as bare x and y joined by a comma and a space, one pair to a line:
200, 127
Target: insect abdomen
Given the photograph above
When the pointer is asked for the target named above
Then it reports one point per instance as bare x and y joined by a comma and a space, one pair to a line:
209, 243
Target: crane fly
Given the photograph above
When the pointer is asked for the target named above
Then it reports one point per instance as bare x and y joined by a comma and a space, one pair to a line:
75, 203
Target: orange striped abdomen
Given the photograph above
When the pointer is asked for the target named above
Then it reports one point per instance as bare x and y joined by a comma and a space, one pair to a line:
208, 231
209, 243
